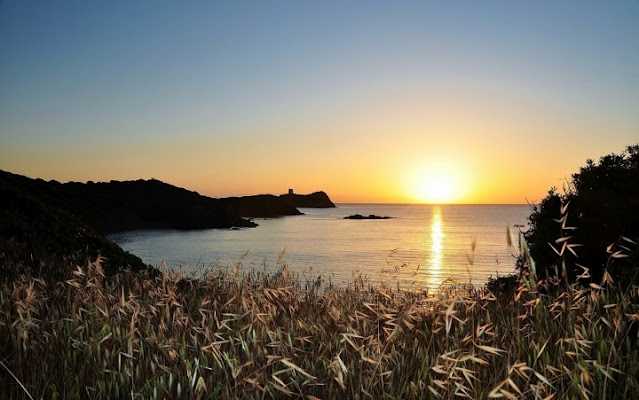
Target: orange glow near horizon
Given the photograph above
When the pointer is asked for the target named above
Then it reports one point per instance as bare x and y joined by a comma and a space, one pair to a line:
383, 171
372, 177
383, 151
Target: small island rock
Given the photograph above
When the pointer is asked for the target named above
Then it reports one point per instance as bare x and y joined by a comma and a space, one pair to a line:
371, 216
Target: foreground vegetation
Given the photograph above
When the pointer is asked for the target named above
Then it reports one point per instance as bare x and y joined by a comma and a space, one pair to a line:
599, 206
240, 334
566, 327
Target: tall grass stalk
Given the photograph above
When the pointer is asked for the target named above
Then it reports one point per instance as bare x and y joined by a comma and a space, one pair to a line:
247, 334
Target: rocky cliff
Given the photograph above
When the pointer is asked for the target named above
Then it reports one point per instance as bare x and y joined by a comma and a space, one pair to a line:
313, 200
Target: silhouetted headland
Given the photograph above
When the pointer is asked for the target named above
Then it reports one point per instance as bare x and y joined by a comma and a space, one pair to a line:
41, 220
262, 206
267, 205
41, 234
313, 200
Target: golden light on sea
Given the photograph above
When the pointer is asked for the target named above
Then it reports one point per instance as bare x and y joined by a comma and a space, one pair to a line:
435, 261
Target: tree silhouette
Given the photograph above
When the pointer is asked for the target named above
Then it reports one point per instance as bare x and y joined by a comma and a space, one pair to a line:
594, 224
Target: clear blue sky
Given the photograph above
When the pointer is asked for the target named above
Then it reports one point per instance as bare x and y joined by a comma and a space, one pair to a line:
242, 97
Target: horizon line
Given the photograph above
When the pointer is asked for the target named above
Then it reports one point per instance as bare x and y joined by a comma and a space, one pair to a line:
433, 204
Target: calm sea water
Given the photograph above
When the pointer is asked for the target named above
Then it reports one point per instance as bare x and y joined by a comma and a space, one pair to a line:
424, 246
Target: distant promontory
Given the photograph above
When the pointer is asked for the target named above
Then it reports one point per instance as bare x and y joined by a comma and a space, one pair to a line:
63, 220
313, 200
152, 204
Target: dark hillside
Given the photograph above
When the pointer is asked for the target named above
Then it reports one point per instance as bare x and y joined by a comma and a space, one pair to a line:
119, 206
35, 231
263, 206
58, 224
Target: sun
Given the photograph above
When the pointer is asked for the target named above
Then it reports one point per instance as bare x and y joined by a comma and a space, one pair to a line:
435, 182
436, 189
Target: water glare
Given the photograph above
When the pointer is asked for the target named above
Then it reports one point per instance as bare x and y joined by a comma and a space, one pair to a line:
436, 254
428, 244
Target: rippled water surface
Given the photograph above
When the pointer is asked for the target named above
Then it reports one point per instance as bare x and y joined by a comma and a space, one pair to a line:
424, 245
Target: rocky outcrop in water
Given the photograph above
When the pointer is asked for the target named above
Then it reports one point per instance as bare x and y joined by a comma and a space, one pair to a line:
371, 216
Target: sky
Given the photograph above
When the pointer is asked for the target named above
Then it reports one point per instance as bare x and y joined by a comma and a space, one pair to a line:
370, 101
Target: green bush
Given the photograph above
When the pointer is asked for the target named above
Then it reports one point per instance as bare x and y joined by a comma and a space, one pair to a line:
594, 224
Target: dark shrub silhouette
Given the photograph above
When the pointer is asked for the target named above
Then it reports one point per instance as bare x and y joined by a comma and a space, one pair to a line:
594, 224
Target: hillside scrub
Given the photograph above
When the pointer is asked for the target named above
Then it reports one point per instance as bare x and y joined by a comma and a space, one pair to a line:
40, 237
597, 216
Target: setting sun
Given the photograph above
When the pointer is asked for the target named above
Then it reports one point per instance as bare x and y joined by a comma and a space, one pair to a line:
436, 182
436, 189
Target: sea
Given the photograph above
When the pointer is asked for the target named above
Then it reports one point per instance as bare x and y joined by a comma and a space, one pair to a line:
422, 247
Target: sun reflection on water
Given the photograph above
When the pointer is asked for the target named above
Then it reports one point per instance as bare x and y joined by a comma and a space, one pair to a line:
435, 261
